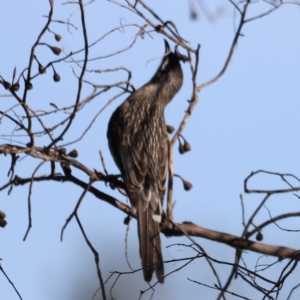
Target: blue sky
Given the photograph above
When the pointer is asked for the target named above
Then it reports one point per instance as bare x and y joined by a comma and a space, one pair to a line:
247, 120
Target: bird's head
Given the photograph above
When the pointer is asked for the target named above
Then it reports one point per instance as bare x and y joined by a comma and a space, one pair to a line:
169, 76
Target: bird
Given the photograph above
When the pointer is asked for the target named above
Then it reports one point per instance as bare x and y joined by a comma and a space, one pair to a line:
139, 144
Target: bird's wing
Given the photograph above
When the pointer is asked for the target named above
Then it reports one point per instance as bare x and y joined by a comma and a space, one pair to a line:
131, 161
140, 154
144, 171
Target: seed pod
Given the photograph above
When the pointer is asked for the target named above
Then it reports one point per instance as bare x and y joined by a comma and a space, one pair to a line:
2, 215
62, 151
127, 220
42, 69
73, 153
6, 84
181, 148
186, 185
259, 237
29, 85
15, 87
57, 37
170, 129
56, 77
159, 28
3, 223
186, 146
55, 50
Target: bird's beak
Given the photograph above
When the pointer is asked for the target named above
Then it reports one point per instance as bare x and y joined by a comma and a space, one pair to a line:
167, 47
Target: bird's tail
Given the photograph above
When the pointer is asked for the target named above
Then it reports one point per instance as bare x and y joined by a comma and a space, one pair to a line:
150, 247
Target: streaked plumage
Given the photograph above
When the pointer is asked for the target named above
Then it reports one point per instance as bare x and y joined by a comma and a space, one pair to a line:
138, 142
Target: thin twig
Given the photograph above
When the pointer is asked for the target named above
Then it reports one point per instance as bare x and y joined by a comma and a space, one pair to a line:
96, 256
29, 199
12, 284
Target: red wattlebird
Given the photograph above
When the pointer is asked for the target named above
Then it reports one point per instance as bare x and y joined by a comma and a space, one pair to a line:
139, 144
